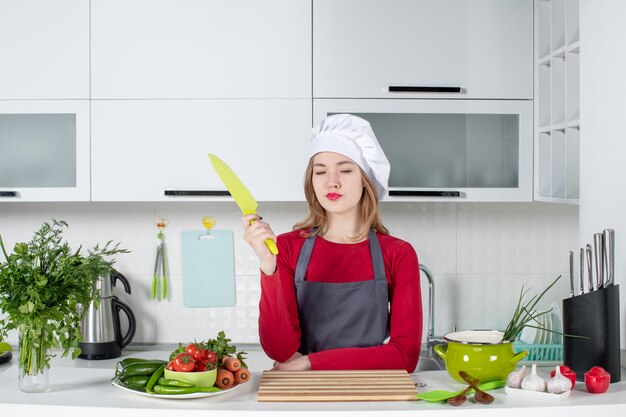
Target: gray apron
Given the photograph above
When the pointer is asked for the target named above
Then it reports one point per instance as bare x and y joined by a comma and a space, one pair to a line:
338, 315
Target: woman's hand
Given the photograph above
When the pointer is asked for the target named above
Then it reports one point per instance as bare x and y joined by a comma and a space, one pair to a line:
297, 362
255, 232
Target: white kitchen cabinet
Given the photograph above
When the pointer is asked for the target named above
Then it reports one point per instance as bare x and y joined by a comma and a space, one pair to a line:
143, 148
168, 49
449, 150
361, 48
44, 49
557, 98
44, 150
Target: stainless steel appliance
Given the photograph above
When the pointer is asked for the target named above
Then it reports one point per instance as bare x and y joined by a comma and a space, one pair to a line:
100, 327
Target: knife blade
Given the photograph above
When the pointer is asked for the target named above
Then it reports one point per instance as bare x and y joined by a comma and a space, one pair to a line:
582, 271
609, 255
240, 193
598, 246
571, 273
589, 267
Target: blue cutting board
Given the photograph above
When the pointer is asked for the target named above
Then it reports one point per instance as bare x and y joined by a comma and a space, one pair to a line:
208, 267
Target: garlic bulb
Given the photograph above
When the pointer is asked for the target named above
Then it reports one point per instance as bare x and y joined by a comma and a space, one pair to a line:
559, 383
514, 380
534, 382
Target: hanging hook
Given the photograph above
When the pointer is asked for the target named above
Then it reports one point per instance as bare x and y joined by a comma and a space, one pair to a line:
208, 223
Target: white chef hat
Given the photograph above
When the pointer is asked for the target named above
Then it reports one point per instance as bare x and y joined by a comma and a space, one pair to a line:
353, 137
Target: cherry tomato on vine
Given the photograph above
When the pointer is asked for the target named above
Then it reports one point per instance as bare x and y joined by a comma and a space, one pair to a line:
210, 357
184, 363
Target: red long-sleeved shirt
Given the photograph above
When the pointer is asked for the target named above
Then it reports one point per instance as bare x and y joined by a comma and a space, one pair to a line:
279, 325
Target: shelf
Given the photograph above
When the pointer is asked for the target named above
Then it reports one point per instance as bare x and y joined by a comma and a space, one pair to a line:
573, 48
570, 124
557, 100
559, 52
572, 201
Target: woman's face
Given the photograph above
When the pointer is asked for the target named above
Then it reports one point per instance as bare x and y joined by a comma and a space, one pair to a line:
337, 182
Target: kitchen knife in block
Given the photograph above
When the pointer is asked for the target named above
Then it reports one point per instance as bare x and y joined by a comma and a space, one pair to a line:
208, 268
240, 193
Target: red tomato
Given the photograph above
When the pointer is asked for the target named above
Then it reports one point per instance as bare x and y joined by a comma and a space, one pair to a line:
184, 363
170, 366
597, 380
191, 349
200, 367
566, 372
210, 357
196, 351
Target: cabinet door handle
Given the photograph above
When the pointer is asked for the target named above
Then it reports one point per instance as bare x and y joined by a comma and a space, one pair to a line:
416, 193
8, 194
422, 89
196, 193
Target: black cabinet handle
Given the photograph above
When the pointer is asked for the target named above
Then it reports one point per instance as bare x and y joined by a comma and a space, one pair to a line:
414, 193
8, 194
197, 193
422, 89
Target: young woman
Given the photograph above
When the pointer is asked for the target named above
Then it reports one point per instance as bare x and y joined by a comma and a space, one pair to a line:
340, 284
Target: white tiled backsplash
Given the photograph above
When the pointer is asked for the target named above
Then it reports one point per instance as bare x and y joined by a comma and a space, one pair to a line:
479, 253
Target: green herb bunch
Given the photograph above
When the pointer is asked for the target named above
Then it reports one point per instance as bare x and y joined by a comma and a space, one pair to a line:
43, 285
526, 314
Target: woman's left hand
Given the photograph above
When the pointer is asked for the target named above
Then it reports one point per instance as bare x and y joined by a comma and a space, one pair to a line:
297, 362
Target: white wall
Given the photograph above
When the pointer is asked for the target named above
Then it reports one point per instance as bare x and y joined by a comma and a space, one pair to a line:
479, 253
603, 141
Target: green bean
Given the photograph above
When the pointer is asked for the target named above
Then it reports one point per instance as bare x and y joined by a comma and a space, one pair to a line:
174, 383
168, 390
154, 378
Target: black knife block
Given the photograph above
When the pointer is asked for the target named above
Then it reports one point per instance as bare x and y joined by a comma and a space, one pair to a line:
595, 315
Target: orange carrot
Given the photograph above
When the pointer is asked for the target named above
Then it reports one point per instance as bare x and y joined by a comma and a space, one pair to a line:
242, 375
225, 378
232, 364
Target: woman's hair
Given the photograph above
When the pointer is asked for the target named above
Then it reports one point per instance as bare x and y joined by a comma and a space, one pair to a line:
369, 215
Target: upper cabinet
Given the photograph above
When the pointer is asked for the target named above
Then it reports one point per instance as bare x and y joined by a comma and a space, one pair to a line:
44, 49
463, 49
44, 150
157, 150
178, 49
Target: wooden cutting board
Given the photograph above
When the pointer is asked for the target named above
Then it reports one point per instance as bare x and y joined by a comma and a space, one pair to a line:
378, 385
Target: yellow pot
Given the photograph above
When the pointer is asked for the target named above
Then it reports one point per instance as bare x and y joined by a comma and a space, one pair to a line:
481, 353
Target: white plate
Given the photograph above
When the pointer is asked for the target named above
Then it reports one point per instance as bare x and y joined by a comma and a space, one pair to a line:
179, 396
534, 395
528, 335
546, 335
539, 322
557, 323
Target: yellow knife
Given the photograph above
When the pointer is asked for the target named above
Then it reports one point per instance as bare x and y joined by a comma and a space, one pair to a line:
240, 193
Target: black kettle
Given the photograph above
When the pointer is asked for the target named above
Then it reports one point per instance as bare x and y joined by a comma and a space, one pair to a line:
100, 327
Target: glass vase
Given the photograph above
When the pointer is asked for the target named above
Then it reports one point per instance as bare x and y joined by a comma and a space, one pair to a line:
33, 365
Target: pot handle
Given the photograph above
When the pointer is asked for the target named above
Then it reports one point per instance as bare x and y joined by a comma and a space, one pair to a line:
441, 350
519, 356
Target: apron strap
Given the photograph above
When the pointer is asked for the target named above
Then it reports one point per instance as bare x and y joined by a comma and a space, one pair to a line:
377, 257
375, 252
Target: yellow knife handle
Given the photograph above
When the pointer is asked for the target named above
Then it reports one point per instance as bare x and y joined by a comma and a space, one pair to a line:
271, 245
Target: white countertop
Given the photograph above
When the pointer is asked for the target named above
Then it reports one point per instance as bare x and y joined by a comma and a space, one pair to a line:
81, 387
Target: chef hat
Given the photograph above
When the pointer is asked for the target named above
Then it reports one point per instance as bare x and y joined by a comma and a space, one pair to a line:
353, 137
